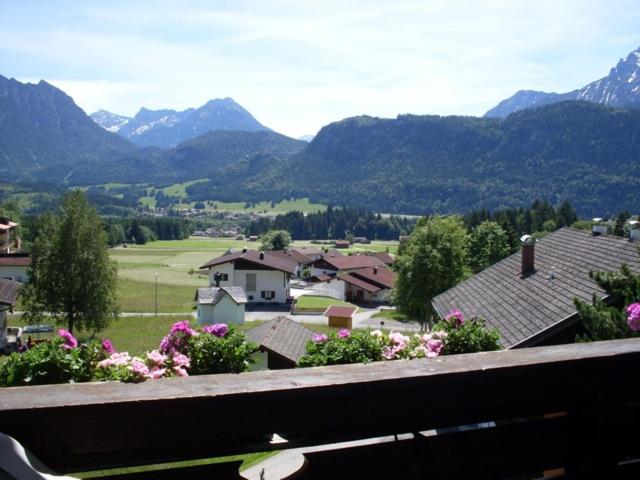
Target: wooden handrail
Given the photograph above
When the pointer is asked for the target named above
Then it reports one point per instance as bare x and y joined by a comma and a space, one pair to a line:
573, 393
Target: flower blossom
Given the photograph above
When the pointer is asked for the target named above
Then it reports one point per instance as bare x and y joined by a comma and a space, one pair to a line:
180, 360
634, 316
181, 372
217, 329
70, 341
344, 333
319, 338
183, 327
434, 347
107, 346
156, 372
139, 367
156, 358
456, 317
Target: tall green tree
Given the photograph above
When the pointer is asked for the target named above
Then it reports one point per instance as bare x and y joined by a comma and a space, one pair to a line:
432, 260
72, 278
276, 240
488, 244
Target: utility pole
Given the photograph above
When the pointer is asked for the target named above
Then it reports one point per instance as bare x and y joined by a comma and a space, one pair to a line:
156, 296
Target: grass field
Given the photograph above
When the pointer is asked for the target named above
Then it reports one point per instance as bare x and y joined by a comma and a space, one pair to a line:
319, 303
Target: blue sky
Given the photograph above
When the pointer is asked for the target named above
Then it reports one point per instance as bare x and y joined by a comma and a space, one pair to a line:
297, 65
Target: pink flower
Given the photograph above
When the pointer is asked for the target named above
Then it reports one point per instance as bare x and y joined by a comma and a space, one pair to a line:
156, 358
70, 341
389, 353
107, 346
398, 339
184, 328
344, 333
180, 360
456, 317
156, 372
434, 347
217, 329
181, 372
634, 316
319, 337
139, 367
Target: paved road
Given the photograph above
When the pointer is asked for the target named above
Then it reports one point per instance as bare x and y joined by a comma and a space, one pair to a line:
289, 461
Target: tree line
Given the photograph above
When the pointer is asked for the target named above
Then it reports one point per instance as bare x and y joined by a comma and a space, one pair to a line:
334, 223
143, 230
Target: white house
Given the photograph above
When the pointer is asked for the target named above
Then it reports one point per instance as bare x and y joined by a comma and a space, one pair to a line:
366, 285
221, 305
13, 266
264, 277
328, 265
9, 291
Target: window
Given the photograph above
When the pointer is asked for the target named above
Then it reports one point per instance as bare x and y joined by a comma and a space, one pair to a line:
224, 277
268, 294
250, 282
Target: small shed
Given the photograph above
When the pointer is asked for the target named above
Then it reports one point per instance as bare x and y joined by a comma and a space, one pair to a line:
342, 244
221, 305
340, 317
282, 343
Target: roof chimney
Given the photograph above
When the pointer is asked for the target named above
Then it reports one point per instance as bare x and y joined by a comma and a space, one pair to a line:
528, 250
599, 227
634, 230
216, 278
244, 250
375, 270
261, 255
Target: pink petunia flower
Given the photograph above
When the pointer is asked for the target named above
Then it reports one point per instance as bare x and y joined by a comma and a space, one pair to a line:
156, 372
156, 358
434, 347
107, 346
180, 372
70, 341
217, 329
344, 333
180, 360
456, 317
139, 367
633, 320
319, 337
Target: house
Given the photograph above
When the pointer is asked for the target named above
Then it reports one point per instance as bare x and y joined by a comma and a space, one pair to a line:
221, 305
340, 317
282, 343
14, 266
342, 244
263, 276
368, 285
300, 259
344, 263
364, 240
253, 238
528, 297
385, 258
9, 291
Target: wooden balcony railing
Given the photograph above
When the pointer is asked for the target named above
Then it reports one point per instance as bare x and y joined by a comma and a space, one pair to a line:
571, 410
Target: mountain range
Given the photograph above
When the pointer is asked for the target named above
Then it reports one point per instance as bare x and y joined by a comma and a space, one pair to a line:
168, 128
582, 151
621, 88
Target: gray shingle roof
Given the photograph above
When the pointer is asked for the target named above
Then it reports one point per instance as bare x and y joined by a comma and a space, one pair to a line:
212, 295
520, 308
9, 291
282, 336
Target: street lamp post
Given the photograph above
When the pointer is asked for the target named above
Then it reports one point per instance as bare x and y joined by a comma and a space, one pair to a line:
156, 296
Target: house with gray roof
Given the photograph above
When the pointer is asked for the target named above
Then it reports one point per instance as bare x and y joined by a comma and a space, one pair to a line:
221, 305
263, 276
528, 297
282, 343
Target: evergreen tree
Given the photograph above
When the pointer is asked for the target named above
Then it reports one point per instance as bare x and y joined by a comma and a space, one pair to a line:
72, 278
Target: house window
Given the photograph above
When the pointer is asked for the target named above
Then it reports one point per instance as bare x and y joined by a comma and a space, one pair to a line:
224, 277
268, 294
250, 283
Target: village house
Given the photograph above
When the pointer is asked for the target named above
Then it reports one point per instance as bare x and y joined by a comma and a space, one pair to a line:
293, 255
9, 291
13, 263
363, 285
282, 343
332, 265
342, 244
220, 304
528, 297
263, 276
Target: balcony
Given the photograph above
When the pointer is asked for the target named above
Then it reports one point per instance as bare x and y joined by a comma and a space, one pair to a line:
569, 411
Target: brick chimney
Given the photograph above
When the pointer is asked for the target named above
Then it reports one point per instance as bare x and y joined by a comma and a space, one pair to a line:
528, 255
375, 270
